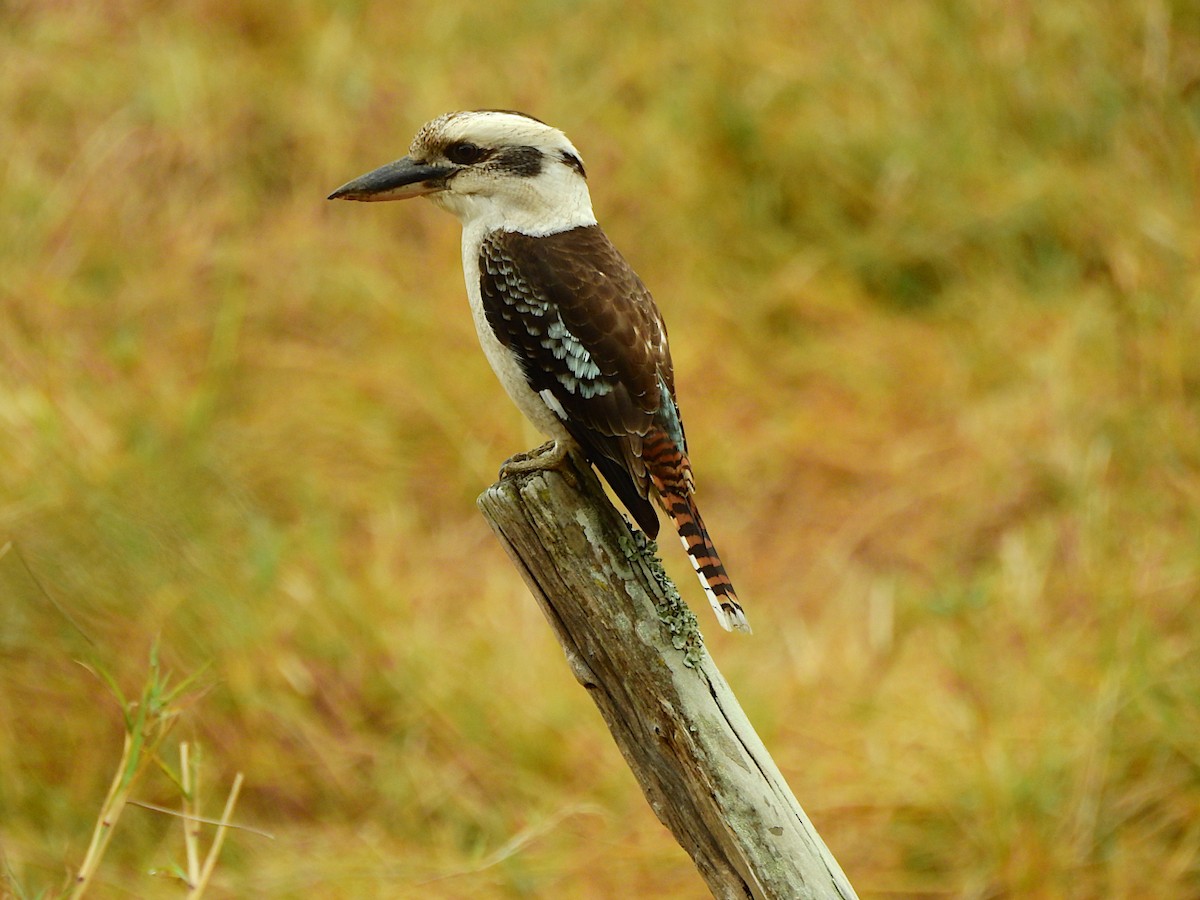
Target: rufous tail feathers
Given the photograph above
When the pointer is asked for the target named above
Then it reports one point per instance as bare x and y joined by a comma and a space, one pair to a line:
681, 509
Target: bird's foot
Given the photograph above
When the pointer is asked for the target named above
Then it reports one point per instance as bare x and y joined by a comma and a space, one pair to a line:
548, 456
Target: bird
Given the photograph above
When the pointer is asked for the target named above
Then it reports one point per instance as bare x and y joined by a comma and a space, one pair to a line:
570, 330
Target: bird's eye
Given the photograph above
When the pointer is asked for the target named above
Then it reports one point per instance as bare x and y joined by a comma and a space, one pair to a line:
464, 153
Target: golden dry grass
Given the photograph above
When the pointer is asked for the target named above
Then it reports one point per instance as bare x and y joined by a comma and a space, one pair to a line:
933, 277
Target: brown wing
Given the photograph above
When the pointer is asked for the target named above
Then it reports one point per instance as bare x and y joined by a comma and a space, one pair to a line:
586, 330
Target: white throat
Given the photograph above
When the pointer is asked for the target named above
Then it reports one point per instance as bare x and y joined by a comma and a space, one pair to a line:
555, 200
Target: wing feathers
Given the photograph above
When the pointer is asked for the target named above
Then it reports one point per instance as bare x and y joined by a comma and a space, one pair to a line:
585, 329
589, 337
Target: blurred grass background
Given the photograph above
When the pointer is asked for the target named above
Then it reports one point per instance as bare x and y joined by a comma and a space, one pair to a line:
933, 277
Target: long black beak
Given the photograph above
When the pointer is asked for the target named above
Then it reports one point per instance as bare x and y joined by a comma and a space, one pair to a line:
397, 180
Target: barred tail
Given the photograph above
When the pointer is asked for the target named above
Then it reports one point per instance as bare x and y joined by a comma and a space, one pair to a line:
671, 475
700, 550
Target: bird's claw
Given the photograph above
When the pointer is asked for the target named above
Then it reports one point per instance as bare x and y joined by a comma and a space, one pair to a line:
548, 456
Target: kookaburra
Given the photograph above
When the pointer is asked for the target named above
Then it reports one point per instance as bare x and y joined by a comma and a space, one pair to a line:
567, 325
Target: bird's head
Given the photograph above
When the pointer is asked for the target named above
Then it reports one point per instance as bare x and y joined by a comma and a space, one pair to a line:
492, 169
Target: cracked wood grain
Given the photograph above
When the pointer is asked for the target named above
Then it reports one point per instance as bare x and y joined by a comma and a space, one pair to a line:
634, 645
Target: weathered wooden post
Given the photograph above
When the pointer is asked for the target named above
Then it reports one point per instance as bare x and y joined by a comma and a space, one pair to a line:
635, 646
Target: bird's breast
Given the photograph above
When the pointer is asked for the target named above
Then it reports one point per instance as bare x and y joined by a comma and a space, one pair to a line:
503, 361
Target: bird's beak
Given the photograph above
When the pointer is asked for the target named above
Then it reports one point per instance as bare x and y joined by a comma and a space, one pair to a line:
397, 180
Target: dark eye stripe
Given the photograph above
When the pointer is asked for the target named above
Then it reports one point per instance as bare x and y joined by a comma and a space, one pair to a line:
525, 161
573, 161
